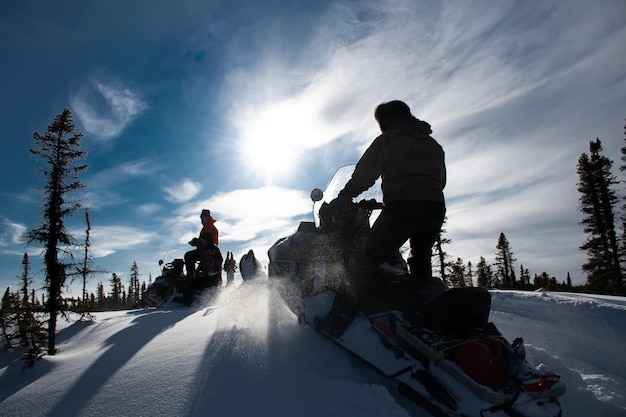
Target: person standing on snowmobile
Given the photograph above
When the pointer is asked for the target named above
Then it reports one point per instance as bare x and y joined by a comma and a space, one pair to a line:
208, 235
412, 167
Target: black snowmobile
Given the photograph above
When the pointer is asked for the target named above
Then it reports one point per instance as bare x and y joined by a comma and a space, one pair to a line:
434, 343
174, 285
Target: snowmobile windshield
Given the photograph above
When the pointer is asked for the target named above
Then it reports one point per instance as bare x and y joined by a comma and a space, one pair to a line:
336, 184
170, 256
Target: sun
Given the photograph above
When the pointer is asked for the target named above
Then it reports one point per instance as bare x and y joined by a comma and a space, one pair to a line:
270, 143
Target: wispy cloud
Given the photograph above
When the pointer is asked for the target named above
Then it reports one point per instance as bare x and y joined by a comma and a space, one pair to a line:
183, 191
105, 107
148, 209
11, 233
102, 185
433, 59
506, 93
244, 217
110, 239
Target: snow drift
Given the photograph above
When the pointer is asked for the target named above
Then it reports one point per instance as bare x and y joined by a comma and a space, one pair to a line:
242, 353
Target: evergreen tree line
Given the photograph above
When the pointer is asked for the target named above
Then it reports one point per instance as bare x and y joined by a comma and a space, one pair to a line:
120, 297
22, 313
500, 274
22, 319
605, 244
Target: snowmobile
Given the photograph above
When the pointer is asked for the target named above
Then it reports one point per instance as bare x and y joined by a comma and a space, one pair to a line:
434, 344
170, 282
174, 285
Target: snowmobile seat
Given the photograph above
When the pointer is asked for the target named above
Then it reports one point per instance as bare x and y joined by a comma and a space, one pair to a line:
407, 294
458, 310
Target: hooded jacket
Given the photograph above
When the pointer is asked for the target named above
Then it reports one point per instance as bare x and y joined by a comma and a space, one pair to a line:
410, 162
209, 232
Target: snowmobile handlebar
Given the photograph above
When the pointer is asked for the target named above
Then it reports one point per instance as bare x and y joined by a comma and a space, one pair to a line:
370, 204
355, 215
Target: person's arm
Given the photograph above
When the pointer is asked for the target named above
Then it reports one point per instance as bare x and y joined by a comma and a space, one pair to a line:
367, 170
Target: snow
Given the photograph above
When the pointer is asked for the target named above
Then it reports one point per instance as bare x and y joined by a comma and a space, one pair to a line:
242, 353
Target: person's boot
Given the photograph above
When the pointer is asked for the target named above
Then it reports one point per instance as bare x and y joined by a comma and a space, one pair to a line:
339, 318
423, 286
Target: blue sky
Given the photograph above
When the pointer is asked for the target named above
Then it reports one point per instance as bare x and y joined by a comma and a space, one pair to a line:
243, 107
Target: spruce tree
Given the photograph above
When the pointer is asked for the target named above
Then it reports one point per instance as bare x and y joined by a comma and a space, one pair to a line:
25, 278
597, 201
116, 291
456, 277
86, 269
524, 277
484, 274
440, 254
101, 297
504, 263
469, 278
8, 321
59, 150
23, 308
133, 293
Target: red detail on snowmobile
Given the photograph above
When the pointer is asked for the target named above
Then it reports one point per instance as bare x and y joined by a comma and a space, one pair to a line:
386, 330
541, 385
481, 359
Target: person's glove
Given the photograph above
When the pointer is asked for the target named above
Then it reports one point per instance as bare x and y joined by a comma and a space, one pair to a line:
339, 205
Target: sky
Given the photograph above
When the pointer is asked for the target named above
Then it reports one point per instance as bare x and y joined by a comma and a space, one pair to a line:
246, 355
242, 107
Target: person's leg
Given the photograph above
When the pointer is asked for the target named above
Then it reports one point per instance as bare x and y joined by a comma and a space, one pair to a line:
421, 222
419, 261
191, 258
388, 233
424, 233
383, 240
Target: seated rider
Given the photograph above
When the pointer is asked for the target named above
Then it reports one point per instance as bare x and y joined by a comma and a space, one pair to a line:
208, 237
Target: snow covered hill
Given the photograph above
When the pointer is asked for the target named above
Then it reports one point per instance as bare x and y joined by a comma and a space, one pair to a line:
242, 353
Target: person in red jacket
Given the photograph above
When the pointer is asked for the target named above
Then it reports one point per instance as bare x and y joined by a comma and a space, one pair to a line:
208, 236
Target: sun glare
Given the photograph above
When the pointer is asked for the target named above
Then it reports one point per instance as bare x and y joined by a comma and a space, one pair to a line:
270, 143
